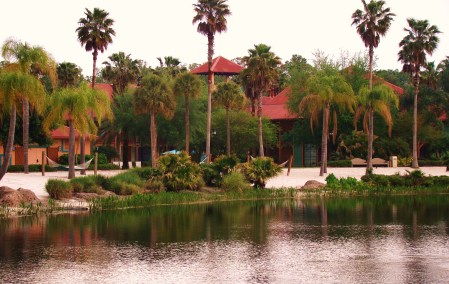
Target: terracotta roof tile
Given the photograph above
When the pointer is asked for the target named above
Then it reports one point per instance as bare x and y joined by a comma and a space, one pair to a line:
221, 66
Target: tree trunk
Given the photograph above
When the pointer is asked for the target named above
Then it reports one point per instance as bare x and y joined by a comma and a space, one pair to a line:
125, 151
94, 67
25, 132
324, 141
259, 126
153, 135
71, 150
415, 122
210, 54
327, 138
369, 158
187, 124
82, 152
10, 143
228, 133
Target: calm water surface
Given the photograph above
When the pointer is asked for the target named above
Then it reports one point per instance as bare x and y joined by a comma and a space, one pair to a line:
400, 239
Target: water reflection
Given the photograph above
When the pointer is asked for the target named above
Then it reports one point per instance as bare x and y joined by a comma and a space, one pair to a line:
383, 239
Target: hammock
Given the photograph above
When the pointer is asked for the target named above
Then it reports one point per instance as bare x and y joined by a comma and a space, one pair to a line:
83, 166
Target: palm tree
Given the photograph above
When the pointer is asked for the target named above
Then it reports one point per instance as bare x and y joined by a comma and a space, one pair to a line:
430, 75
30, 60
69, 74
121, 71
380, 100
326, 89
155, 96
421, 40
74, 106
188, 86
230, 96
14, 87
262, 73
211, 18
372, 23
95, 33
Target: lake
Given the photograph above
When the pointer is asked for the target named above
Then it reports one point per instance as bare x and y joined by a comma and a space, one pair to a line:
389, 239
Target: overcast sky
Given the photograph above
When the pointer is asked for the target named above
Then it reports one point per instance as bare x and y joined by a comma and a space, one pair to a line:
150, 29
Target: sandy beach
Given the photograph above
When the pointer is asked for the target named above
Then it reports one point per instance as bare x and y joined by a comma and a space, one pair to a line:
297, 178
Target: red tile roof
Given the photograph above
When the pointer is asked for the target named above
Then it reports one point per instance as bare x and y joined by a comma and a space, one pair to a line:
220, 66
397, 89
275, 108
62, 133
107, 88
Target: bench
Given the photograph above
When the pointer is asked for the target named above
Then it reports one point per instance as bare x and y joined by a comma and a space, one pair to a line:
376, 162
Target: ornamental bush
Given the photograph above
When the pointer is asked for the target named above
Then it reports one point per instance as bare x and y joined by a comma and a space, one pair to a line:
258, 170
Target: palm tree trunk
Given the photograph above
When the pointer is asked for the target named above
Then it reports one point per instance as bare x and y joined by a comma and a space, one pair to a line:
10, 143
94, 67
415, 123
83, 153
369, 158
125, 151
327, 139
25, 132
259, 126
324, 141
210, 54
71, 150
153, 135
187, 124
228, 133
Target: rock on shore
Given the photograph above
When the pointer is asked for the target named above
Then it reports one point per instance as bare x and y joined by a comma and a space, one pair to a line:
14, 198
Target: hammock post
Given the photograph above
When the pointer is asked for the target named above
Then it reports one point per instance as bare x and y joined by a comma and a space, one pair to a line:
290, 165
43, 163
96, 163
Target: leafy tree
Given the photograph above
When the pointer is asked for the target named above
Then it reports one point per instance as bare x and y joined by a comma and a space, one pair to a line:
188, 86
372, 23
379, 100
262, 72
170, 67
421, 40
211, 19
121, 71
228, 95
32, 60
69, 74
74, 105
326, 88
14, 86
155, 96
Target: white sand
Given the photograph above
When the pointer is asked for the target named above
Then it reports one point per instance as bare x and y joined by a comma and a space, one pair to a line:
297, 178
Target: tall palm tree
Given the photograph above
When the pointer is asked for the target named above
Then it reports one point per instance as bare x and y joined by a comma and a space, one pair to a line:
430, 75
74, 106
69, 74
95, 33
14, 86
326, 89
230, 96
380, 100
32, 60
189, 86
211, 18
421, 40
154, 96
262, 73
372, 23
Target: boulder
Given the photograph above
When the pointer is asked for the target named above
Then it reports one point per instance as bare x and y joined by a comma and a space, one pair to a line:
14, 198
312, 184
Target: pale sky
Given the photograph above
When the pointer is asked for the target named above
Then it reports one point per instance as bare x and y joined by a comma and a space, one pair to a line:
150, 29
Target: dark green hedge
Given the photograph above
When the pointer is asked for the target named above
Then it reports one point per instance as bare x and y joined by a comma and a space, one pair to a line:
339, 163
32, 168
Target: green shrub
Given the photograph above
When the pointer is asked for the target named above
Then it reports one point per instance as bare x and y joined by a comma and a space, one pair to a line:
235, 181
179, 172
431, 163
332, 181
64, 159
210, 175
88, 184
108, 151
32, 168
104, 167
119, 183
147, 172
405, 161
258, 170
58, 189
155, 185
